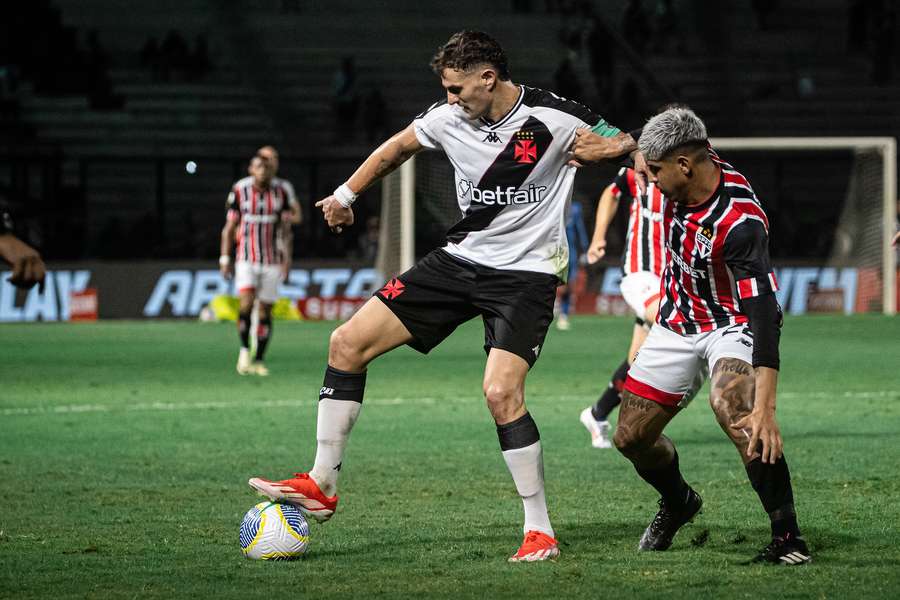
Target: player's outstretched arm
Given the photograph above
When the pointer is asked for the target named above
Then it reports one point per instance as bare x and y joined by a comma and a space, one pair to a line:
26, 264
606, 211
385, 159
589, 148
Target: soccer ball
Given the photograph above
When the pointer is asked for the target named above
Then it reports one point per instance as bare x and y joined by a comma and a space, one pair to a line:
272, 531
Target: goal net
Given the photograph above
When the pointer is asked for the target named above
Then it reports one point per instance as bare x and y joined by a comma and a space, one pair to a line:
831, 203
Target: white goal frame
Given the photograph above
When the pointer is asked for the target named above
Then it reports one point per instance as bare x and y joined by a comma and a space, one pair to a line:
886, 147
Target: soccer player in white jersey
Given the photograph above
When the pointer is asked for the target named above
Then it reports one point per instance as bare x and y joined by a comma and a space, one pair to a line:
258, 215
642, 263
718, 314
502, 262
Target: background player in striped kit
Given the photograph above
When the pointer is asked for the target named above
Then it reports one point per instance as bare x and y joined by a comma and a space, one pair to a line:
259, 215
502, 262
642, 263
718, 312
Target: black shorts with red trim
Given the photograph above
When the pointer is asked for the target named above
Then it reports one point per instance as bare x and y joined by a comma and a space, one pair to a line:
441, 292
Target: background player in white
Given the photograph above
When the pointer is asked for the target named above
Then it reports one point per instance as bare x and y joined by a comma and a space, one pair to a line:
642, 262
718, 313
270, 154
503, 260
259, 215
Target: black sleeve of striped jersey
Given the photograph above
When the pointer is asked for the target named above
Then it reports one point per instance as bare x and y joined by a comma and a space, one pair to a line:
765, 319
747, 250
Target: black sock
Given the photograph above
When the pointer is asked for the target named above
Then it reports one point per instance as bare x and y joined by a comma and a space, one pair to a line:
613, 394
520, 433
244, 329
343, 385
668, 482
772, 483
263, 334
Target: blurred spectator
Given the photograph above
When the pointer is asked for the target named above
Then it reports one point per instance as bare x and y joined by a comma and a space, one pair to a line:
763, 9
857, 24
368, 241
346, 96
634, 25
601, 60
199, 64
665, 28
151, 58
173, 54
882, 55
374, 115
565, 80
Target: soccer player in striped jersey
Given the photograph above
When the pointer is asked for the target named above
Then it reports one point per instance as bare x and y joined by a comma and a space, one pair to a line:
642, 264
258, 215
509, 145
718, 314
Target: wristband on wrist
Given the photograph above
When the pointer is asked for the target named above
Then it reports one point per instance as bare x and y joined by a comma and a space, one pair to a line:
224, 260
345, 195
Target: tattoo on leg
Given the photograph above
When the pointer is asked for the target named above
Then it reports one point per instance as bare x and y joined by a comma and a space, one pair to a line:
636, 402
731, 397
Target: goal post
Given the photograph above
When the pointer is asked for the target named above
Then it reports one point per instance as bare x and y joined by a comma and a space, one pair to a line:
881, 208
854, 179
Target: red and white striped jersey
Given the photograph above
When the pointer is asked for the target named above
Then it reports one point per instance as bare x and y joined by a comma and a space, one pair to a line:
717, 255
259, 214
645, 240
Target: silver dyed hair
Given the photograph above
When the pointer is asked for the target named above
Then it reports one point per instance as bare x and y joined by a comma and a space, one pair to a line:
670, 129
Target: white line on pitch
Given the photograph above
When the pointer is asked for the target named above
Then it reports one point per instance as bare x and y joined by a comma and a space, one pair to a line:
397, 401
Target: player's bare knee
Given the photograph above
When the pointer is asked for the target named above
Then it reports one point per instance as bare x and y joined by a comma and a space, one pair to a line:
631, 441
731, 396
503, 400
343, 353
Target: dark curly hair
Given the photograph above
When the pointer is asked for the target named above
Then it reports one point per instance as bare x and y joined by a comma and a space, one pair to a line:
465, 50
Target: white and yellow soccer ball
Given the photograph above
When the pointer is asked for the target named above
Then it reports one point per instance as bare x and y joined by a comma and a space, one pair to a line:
273, 531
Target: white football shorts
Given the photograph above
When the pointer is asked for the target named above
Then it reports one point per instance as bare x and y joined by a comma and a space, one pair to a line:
263, 279
639, 290
670, 368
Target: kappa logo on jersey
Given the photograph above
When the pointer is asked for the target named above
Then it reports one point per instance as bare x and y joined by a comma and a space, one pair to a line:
526, 150
392, 289
704, 242
492, 138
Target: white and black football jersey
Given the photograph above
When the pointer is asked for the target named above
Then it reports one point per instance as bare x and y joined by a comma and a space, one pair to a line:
512, 181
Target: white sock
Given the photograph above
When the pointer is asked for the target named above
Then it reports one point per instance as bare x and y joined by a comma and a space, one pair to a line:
526, 465
335, 420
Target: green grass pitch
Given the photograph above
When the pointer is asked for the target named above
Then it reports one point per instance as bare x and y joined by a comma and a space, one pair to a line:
125, 449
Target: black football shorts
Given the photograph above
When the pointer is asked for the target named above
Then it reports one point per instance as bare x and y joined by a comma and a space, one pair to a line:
441, 292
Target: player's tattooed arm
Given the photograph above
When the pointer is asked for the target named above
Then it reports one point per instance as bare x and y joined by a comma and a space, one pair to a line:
387, 157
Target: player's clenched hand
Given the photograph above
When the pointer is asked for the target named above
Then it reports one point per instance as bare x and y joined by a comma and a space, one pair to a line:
596, 251
335, 214
763, 430
27, 266
226, 270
